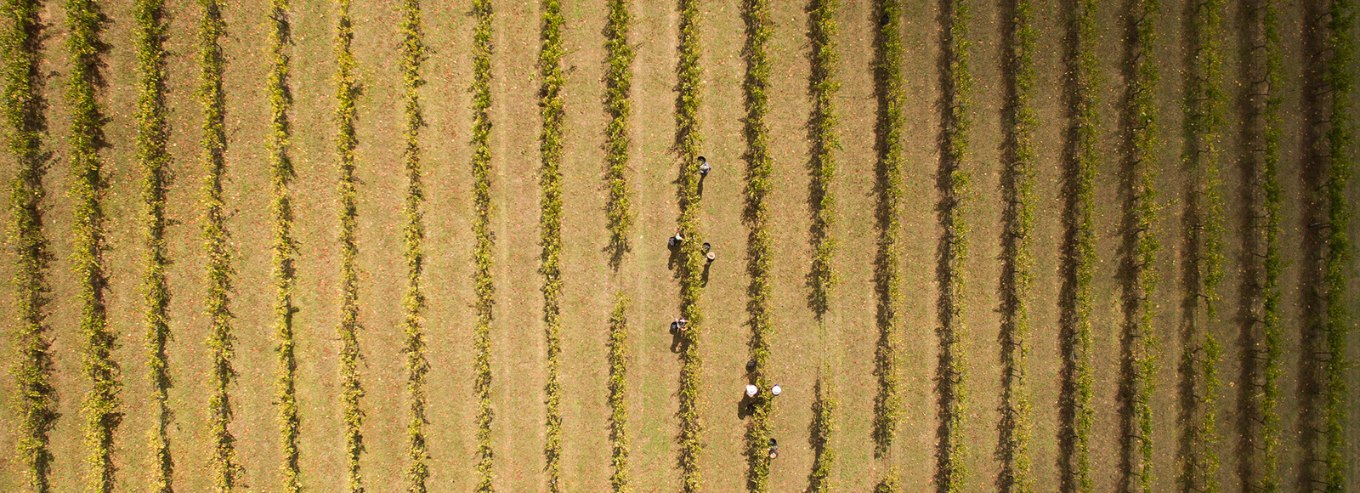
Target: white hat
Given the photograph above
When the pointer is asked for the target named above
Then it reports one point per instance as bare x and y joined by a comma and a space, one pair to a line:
775, 389
751, 390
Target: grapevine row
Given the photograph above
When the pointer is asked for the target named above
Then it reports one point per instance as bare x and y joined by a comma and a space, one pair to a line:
1339, 78
26, 127
687, 142
618, 80
888, 146
482, 281
951, 454
1079, 264
1017, 257
285, 247
619, 480
822, 87
352, 391
100, 407
413, 302
820, 433
212, 63
1144, 141
153, 131
1273, 263
756, 14
550, 179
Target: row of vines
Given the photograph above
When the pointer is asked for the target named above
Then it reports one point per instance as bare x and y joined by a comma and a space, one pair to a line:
687, 144
101, 404
1339, 79
756, 14
226, 470
413, 302
550, 223
951, 452
352, 392
1203, 126
285, 246
1080, 242
1268, 397
618, 84
26, 128
153, 133
822, 87
481, 197
1012, 447
1141, 346
888, 187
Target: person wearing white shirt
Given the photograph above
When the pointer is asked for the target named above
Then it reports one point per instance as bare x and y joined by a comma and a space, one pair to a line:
751, 391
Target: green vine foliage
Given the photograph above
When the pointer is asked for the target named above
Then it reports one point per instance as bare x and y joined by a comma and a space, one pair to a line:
756, 14
212, 63
153, 132
1339, 78
1082, 234
101, 405
618, 83
352, 392
413, 302
551, 105
285, 246
619, 481
1273, 129
1144, 130
1018, 260
482, 280
888, 92
820, 432
35, 403
687, 144
951, 455
822, 87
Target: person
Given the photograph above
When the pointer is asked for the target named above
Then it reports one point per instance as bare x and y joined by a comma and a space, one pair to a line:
682, 322
775, 390
774, 448
675, 240
751, 391
703, 166
750, 366
710, 257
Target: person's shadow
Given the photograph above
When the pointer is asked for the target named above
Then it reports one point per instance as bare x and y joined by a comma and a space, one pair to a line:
707, 264
746, 406
674, 260
701, 184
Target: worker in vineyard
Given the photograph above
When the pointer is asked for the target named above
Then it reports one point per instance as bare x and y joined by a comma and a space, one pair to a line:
679, 324
703, 166
675, 240
775, 390
774, 448
751, 391
709, 255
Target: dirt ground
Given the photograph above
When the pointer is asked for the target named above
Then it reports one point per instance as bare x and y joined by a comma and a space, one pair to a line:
803, 349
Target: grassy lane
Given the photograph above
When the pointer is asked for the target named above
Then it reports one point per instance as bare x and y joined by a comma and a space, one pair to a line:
1019, 122
101, 405
1081, 155
352, 390
285, 246
225, 469
953, 183
413, 302
1139, 339
550, 223
26, 128
482, 281
153, 131
686, 147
